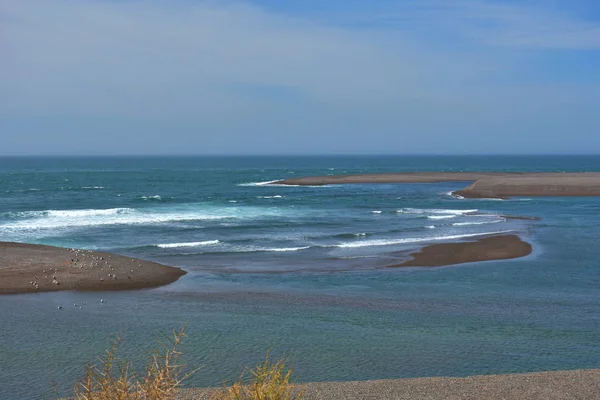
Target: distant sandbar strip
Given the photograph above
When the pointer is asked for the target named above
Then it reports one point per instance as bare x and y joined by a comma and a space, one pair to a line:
26, 268
485, 184
502, 247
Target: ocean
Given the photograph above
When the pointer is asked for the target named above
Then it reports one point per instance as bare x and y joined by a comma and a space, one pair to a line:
300, 271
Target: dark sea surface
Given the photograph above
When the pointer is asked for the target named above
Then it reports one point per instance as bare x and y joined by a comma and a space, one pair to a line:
299, 270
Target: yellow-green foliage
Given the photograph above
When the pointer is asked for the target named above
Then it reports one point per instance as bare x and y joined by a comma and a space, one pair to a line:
114, 379
268, 381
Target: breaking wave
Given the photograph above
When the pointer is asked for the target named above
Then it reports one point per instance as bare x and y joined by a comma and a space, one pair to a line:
478, 223
53, 219
155, 197
387, 242
441, 216
189, 244
434, 211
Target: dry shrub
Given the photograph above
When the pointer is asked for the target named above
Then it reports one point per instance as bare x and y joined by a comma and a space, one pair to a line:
113, 378
268, 381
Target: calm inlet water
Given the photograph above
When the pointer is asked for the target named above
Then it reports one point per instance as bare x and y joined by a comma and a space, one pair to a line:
298, 270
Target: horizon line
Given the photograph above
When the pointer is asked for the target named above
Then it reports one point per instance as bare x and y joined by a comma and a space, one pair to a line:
300, 155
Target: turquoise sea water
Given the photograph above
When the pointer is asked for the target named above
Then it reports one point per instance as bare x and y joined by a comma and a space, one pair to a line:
298, 270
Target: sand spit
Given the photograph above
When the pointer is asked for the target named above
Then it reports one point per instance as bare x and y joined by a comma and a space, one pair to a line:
485, 249
406, 177
486, 184
585, 184
28, 268
553, 385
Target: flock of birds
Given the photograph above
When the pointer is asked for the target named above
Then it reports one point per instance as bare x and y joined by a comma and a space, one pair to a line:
81, 306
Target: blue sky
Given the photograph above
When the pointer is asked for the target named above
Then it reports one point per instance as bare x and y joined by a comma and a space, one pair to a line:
304, 77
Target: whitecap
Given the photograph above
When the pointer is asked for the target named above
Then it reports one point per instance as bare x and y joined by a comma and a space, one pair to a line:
259, 183
376, 211
281, 249
434, 211
430, 227
52, 219
454, 195
436, 217
477, 223
188, 244
388, 242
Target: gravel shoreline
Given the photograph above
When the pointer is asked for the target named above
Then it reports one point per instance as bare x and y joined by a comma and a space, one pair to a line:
552, 385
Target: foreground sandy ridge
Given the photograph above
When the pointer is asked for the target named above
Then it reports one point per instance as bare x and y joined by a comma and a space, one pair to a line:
554, 385
26, 268
486, 184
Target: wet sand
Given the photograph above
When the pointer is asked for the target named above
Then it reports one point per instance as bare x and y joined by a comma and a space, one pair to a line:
485, 249
486, 184
26, 268
552, 385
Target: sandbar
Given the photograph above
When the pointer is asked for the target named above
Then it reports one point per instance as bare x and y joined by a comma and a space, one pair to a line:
26, 268
485, 184
501, 247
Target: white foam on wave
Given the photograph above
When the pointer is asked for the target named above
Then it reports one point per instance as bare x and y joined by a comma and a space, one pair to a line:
487, 199
73, 213
260, 183
430, 227
454, 195
155, 197
477, 223
281, 249
388, 242
93, 187
277, 196
436, 217
274, 184
376, 211
53, 219
189, 244
434, 211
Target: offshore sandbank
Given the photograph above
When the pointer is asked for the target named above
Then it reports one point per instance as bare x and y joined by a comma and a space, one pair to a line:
501, 247
485, 184
27, 268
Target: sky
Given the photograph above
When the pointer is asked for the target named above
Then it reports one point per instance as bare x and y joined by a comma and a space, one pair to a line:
118, 77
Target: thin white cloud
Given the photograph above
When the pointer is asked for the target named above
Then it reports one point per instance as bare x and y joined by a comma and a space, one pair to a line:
100, 57
489, 22
231, 77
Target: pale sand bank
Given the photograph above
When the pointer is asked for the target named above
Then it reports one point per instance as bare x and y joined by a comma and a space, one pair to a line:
28, 268
486, 184
553, 385
501, 247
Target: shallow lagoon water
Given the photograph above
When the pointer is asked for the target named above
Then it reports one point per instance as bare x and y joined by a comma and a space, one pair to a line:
299, 274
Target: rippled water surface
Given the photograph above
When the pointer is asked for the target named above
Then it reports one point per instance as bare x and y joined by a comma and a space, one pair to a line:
299, 270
